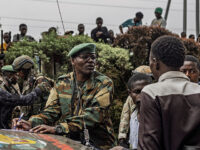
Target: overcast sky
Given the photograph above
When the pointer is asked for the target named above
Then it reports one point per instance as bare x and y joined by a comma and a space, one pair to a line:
39, 15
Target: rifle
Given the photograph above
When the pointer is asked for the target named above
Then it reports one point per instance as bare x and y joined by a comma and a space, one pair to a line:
2, 53
2, 42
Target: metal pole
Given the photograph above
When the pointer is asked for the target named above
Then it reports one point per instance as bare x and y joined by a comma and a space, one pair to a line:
197, 17
185, 16
167, 9
61, 16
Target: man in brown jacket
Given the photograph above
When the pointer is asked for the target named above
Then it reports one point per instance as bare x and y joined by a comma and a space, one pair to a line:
170, 108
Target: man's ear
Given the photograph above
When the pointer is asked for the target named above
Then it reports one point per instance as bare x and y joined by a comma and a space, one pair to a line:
156, 61
72, 61
129, 91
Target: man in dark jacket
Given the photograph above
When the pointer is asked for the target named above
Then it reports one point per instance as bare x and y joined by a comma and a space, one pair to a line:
100, 33
9, 101
170, 108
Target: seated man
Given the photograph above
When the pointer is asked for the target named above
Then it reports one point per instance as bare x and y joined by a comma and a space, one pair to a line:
23, 30
159, 21
191, 68
137, 21
100, 33
80, 102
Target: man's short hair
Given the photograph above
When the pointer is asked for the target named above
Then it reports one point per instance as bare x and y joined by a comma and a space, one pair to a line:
80, 25
139, 15
22, 25
183, 34
138, 77
192, 59
170, 50
99, 19
191, 35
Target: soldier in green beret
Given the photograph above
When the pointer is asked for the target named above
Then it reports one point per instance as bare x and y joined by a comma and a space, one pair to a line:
81, 101
9, 79
159, 21
10, 98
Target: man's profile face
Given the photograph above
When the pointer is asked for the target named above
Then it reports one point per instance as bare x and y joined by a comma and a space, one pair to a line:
84, 63
152, 65
191, 71
23, 30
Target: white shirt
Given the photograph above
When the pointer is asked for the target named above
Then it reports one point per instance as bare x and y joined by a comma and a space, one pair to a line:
134, 127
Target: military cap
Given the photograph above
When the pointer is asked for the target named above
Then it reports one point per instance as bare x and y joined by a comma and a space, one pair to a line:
143, 69
158, 10
22, 62
8, 68
85, 47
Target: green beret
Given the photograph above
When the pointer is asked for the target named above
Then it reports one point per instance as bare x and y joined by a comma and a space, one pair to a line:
8, 68
158, 10
85, 47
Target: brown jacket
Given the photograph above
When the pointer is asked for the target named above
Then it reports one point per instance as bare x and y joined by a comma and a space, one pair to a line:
170, 113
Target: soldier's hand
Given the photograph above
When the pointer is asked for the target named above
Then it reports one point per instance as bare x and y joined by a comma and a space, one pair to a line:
21, 125
118, 148
43, 129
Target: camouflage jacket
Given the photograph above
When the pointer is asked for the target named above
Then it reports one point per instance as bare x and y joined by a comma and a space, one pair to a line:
39, 103
96, 97
128, 109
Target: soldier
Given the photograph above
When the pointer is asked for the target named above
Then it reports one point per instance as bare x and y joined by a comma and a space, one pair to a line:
81, 100
9, 80
10, 97
27, 82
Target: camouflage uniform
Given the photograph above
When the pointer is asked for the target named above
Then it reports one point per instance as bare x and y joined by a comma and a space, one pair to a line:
26, 63
128, 109
96, 97
39, 103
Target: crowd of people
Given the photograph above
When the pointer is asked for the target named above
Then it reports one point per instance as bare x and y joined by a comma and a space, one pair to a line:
161, 111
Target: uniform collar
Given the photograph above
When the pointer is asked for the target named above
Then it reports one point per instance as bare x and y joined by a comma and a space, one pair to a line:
88, 84
172, 74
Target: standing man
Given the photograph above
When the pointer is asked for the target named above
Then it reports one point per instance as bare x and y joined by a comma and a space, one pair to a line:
159, 21
23, 65
137, 21
7, 41
100, 34
80, 102
170, 108
23, 30
191, 68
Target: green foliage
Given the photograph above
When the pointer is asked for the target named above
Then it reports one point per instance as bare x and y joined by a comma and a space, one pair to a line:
138, 41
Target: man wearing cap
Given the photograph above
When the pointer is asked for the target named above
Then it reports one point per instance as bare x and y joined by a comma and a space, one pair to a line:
159, 21
23, 65
81, 101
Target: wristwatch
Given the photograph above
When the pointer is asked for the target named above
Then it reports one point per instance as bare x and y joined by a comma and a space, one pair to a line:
59, 130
